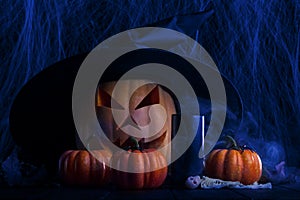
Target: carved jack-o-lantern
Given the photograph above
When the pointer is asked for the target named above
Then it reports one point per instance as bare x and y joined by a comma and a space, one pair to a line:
139, 113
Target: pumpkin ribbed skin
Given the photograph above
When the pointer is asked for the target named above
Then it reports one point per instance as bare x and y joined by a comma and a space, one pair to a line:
80, 167
140, 161
234, 165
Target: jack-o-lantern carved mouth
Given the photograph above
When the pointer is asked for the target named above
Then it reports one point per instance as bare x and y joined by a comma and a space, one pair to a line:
156, 143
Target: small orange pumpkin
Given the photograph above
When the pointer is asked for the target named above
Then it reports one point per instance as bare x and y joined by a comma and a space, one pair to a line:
235, 164
80, 167
143, 161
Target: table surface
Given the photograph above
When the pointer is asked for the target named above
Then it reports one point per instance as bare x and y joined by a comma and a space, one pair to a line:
283, 191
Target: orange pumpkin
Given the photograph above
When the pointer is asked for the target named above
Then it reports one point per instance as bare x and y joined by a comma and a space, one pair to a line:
235, 164
138, 105
139, 160
80, 167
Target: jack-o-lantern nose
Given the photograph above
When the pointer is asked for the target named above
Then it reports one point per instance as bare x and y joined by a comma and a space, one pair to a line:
129, 121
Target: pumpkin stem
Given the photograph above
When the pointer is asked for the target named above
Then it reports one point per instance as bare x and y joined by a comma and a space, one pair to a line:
136, 143
232, 141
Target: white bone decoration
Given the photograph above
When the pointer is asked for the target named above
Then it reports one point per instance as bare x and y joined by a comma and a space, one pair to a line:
193, 182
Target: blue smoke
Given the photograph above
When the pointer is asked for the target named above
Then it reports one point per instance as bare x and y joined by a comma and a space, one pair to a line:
254, 43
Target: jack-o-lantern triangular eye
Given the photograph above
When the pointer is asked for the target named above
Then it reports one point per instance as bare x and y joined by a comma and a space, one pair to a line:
150, 99
104, 99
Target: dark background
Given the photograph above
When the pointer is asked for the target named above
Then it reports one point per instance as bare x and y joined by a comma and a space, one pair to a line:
255, 44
